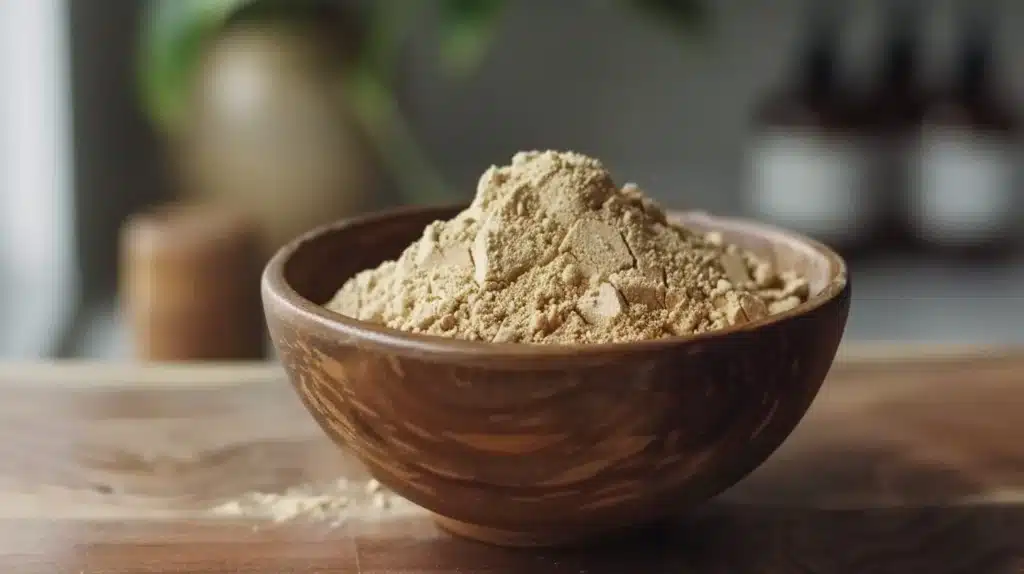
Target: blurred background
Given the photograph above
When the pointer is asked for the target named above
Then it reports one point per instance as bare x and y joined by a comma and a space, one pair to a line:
888, 128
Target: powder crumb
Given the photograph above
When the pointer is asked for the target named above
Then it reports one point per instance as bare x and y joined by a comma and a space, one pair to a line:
332, 504
551, 251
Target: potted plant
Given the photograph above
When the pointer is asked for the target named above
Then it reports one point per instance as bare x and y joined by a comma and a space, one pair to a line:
285, 106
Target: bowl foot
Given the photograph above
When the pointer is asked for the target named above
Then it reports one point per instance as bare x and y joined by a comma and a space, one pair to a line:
508, 538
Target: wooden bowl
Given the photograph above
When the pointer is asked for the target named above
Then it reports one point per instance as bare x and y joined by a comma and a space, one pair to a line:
532, 445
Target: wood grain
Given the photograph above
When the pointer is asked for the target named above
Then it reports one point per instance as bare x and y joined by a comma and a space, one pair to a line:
900, 466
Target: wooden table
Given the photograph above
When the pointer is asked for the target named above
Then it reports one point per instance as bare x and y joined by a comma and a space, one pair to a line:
907, 463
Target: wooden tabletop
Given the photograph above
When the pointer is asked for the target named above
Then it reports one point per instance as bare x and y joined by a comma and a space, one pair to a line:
909, 462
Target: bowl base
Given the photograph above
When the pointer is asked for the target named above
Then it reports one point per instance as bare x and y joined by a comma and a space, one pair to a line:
509, 538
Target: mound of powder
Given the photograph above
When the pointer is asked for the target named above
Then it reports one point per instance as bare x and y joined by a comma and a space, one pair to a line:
333, 503
551, 250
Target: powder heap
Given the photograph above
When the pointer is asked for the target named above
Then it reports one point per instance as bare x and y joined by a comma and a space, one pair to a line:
551, 250
333, 503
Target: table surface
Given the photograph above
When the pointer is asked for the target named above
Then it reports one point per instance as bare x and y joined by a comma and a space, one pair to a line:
907, 462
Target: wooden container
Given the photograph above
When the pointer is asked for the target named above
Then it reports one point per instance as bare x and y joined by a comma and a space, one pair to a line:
190, 284
534, 445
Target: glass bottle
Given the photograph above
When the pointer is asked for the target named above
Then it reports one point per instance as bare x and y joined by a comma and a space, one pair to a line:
806, 160
965, 197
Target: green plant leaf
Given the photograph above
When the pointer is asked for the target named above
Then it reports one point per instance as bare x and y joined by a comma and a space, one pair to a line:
467, 28
174, 33
683, 16
387, 27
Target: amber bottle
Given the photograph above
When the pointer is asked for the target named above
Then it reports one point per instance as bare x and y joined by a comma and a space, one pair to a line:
806, 159
964, 199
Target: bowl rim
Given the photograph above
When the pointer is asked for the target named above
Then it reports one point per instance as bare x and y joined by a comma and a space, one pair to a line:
278, 292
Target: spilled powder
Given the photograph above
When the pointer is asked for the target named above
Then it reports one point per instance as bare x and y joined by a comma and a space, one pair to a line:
551, 250
333, 504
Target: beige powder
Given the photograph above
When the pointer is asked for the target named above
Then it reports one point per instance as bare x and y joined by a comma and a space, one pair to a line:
551, 250
333, 503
